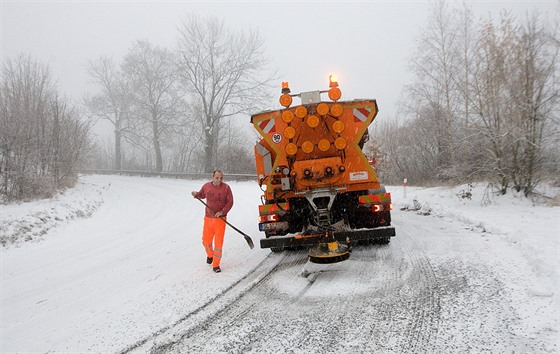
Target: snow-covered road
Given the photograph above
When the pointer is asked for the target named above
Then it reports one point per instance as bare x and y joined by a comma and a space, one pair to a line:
132, 278
401, 297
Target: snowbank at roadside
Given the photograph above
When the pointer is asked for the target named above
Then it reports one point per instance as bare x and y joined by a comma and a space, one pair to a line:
31, 221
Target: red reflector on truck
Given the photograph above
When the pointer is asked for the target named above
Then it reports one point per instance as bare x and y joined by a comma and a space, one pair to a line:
269, 218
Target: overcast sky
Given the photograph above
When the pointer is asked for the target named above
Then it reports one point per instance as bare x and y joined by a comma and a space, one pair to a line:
366, 44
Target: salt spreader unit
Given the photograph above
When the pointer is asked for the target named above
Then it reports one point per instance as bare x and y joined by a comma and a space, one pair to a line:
320, 190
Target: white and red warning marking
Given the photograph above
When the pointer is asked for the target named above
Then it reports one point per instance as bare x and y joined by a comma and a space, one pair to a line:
361, 114
267, 126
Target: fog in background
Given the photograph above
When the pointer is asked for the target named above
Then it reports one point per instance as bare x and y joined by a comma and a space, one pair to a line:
366, 44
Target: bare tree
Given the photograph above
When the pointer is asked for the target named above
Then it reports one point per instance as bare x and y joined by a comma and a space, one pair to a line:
468, 138
222, 69
534, 97
187, 140
113, 102
489, 101
436, 92
26, 90
515, 99
237, 156
407, 150
70, 141
489, 95
42, 139
157, 100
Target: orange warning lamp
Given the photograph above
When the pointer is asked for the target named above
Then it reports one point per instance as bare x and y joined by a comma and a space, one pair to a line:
285, 100
322, 108
285, 87
324, 145
291, 149
334, 91
333, 81
336, 110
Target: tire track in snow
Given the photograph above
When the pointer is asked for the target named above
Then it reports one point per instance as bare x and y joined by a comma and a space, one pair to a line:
402, 310
168, 336
425, 323
476, 307
362, 304
238, 314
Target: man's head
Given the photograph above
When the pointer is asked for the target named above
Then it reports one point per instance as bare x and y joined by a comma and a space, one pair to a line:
217, 177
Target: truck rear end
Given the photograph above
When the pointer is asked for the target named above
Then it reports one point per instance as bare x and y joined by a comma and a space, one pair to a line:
318, 185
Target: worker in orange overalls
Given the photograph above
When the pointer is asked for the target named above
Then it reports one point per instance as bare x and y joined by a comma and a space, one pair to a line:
219, 200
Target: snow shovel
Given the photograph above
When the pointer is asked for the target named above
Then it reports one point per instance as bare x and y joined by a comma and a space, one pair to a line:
247, 238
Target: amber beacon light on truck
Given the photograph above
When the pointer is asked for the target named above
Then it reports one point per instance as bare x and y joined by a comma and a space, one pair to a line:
319, 189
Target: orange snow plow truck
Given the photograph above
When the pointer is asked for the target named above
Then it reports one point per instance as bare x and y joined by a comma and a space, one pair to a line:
320, 191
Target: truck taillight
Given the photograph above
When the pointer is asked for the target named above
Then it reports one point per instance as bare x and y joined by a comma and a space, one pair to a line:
269, 218
381, 207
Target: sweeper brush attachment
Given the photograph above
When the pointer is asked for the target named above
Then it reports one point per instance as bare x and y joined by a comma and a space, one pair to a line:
329, 250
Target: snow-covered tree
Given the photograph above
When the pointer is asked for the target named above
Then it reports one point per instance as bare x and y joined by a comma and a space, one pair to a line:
43, 140
157, 101
224, 71
484, 103
113, 102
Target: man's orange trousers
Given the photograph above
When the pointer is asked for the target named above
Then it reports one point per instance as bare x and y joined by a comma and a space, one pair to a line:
213, 238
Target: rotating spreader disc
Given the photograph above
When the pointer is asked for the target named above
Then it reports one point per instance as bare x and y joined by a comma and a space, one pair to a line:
329, 252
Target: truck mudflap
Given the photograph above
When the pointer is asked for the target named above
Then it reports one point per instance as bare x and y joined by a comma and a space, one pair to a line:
379, 234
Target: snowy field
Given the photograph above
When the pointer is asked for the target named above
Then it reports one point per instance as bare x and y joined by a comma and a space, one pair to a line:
116, 265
